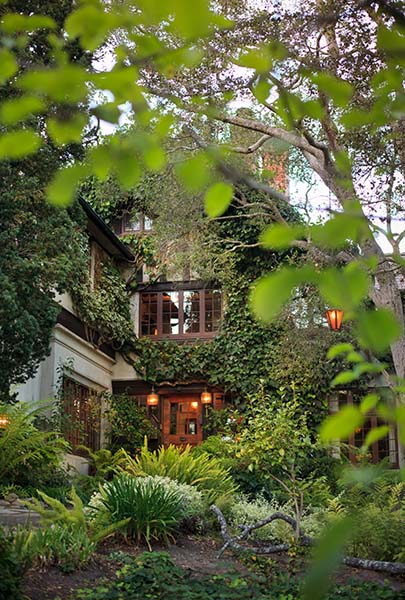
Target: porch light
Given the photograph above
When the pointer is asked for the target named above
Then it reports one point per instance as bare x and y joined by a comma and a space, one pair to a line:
334, 317
206, 398
4, 421
194, 405
152, 399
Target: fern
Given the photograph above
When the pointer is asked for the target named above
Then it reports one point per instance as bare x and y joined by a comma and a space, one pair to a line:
205, 472
58, 512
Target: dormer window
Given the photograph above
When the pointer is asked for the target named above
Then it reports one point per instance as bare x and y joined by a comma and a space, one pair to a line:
133, 223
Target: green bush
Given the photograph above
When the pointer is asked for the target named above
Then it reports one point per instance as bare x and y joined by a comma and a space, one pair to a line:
29, 455
128, 423
152, 509
154, 576
378, 507
65, 546
15, 560
203, 471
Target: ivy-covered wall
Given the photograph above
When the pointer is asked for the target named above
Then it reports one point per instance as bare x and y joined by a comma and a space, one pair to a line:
286, 359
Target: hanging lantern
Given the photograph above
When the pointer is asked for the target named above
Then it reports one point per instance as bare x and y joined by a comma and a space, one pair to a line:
334, 317
206, 398
152, 399
4, 421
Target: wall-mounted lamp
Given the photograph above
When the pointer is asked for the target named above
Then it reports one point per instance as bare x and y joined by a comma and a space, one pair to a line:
4, 421
335, 317
206, 397
152, 399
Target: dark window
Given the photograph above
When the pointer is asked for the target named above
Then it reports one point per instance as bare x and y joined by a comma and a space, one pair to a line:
387, 447
132, 223
81, 418
183, 313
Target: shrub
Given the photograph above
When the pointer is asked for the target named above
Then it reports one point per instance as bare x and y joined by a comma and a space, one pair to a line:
247, 512
14, 562
65, 546
128, 422
203, 471
28, 454
153, 511
378, 506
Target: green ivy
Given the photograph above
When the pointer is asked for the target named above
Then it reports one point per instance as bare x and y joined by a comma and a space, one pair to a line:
106, 308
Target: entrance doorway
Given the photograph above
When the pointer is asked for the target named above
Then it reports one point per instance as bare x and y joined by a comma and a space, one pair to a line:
182, 420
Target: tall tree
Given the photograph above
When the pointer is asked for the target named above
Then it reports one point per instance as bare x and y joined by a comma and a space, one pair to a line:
41, 245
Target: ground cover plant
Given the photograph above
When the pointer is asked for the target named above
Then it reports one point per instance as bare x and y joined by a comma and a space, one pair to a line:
155, 576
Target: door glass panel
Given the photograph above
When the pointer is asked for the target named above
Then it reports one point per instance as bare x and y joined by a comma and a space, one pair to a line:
190, 427
170, 313
173, 418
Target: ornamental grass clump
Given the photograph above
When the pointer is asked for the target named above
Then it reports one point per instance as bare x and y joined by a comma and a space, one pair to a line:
153, 511
205, 472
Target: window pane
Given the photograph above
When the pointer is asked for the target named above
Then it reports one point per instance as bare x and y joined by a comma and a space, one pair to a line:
170, 313
191, 308
213, 310
148, 223
149, 314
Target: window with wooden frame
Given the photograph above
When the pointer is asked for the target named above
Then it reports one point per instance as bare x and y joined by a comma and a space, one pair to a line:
132, 223
384, 448
81, 415
181, 313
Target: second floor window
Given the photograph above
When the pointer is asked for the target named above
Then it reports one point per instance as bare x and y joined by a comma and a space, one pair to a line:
182, 313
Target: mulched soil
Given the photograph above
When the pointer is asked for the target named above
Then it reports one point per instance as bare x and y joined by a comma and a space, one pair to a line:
190, 552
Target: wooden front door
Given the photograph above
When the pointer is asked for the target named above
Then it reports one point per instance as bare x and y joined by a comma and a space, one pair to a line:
182, 420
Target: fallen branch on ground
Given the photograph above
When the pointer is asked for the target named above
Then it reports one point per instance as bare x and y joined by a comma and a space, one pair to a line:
233, 542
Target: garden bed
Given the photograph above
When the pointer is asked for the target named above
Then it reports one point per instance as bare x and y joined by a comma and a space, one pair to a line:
196, 554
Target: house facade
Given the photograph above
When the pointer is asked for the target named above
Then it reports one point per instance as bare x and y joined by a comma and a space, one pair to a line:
83, 369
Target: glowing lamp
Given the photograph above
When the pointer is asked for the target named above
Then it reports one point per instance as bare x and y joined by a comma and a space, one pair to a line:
206, 398
194, 405
334, 317
4, 421
152, 399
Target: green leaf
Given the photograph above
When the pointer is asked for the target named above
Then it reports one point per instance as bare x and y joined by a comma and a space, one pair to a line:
341, 424
393, 42
344, 377
194, 173
376, 434
14, 22
368, 403
100, 159
107, 112
67, 84
13, 111
8, 65
280, 236
258, 59
328, 555
271, 292
92, 24
61, 190
338, 349
377, 329
17, 144
217, 199
65, 132
191, 22
261, 90
338, 90
344, 288
338, 231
